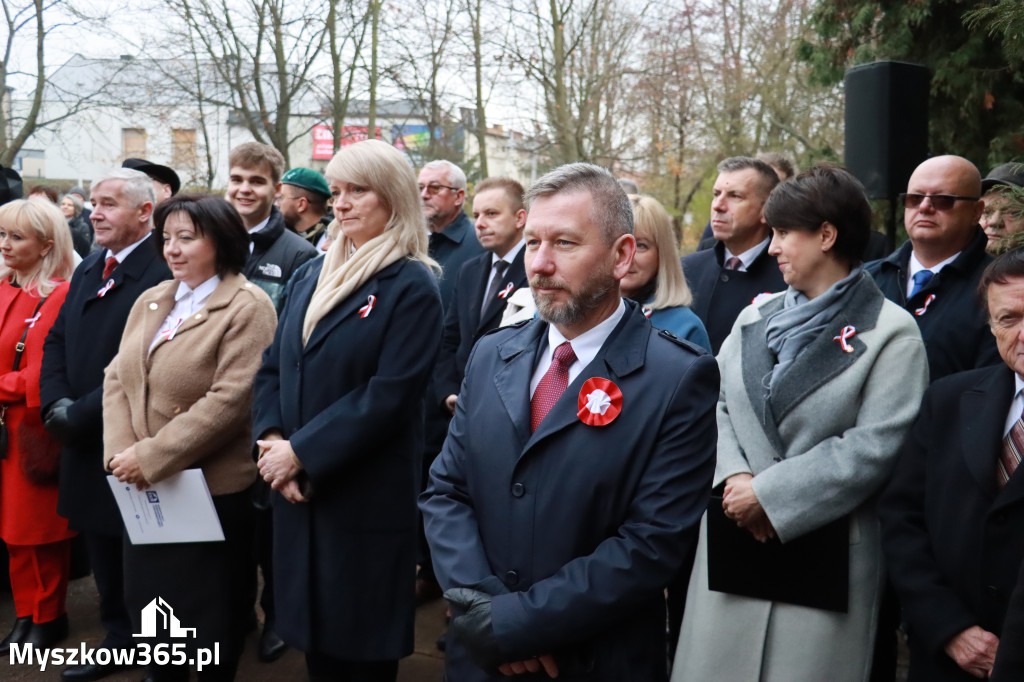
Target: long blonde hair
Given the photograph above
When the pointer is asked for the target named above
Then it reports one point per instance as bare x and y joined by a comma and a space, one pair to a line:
41, 219
651, 221
383, 169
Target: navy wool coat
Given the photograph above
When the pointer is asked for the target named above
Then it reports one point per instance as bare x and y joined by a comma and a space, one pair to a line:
351, 404
80, 345
576, 529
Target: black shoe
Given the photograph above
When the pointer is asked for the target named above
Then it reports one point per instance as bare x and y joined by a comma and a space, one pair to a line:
427, 590
90, 672
271, 646
442, 642
17, 636
45, 635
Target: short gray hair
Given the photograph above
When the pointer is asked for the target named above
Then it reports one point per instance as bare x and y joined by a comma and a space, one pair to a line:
456, 176
137, 187
767, 175
610, 208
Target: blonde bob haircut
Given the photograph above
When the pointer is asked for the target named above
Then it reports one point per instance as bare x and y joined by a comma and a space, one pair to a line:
40, 218
384, 170
651, 221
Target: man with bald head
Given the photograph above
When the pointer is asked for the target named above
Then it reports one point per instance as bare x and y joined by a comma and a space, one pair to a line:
935, 274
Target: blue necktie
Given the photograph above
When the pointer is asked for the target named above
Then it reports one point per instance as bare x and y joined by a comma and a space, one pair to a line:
921, 277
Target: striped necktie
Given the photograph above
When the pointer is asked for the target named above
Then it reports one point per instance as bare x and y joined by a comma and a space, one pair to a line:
1009, 459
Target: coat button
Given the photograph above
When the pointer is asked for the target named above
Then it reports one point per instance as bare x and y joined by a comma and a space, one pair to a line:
725, 277
511, 578
153, 306
248, 285
199, 317
518, 490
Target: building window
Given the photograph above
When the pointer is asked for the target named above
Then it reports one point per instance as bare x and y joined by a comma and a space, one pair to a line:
133, 143
183, 147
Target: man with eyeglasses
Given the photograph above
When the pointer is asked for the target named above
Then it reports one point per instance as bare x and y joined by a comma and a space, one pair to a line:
935, 275
452, 242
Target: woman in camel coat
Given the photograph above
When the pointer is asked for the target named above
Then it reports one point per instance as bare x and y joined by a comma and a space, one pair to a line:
178, 396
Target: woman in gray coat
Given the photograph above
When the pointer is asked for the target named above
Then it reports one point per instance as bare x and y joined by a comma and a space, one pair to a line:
819, 385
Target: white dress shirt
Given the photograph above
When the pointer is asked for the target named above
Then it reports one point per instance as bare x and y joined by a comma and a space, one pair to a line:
585, 346
187, 302
748, 257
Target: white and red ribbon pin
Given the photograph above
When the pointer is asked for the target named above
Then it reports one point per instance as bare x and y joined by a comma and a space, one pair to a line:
646, 311
168, 334
105, 288
507, 290
923, 309
371, 301
847, 333
32, 320
600, 402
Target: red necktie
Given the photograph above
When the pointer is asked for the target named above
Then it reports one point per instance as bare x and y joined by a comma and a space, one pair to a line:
733, 263
552, 385
1013, 446
108, 266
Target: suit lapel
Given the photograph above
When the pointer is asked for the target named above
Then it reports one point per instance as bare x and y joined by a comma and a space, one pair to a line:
514, 275
512, 380
983, 411
757, 363
347, 308
824, 359
622, 353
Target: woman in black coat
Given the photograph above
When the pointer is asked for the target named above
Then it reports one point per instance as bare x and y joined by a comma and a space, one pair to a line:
338, 411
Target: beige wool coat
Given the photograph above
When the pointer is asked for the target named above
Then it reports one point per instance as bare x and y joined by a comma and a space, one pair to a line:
187, 404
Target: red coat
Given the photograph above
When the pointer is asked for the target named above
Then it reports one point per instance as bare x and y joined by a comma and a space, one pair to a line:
28, 512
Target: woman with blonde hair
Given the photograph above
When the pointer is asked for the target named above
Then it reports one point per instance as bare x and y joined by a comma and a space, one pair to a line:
36, 247
655, 279
338, 412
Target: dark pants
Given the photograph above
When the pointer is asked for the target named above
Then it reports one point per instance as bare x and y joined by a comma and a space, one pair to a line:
265, 558
207, 584
324, 668
106, 557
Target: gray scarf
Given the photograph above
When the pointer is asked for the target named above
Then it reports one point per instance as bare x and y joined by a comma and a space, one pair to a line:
792, 328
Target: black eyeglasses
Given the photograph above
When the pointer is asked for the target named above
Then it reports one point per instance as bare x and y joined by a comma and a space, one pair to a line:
940, 202
435, 187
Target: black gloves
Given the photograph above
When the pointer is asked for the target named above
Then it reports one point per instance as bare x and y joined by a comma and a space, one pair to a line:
471, 626
56, 420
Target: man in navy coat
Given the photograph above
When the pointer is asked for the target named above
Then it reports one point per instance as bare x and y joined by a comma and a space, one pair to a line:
724, 280
577, 465
484, 282
78, 348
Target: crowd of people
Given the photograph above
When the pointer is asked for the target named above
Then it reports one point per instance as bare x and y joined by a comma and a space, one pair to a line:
784, 446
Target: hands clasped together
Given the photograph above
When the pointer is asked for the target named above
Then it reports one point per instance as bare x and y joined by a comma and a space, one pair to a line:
471, 627
741, 505
279, 466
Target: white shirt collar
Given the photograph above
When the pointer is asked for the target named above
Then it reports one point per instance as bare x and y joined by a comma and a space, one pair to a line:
510, 256
200, 294
585, 346
261, 225
124, 253
1017, 406
915, 266
749, 256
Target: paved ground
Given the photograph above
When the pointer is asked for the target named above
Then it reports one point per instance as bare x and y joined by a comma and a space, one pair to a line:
423, 666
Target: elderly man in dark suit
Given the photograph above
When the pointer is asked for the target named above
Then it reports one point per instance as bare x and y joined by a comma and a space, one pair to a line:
953, 513
724, 280
80, 345
578, 463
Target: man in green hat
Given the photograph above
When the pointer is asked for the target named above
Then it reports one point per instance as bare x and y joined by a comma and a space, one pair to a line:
303, 198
